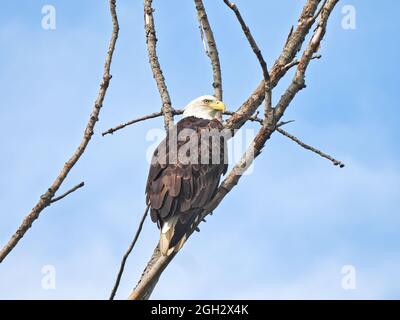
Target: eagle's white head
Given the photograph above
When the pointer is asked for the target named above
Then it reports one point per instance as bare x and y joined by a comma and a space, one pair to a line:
205, 107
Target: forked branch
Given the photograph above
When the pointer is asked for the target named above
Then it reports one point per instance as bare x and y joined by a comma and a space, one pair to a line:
78, 186
47, 197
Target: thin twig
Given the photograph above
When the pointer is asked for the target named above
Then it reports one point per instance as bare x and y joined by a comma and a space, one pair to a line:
283, 123
253, 118
151, 41
308, 147
68, 192
296, 62
127, 253
139, 119
261, 60
159, 114
212, 51
45, 199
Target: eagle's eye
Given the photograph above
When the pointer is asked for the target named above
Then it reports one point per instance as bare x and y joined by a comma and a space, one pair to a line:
206, 101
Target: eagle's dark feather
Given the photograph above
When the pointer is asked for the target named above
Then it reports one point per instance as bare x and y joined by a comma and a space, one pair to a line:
180, 191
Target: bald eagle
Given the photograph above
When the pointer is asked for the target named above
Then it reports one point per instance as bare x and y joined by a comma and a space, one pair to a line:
184, 175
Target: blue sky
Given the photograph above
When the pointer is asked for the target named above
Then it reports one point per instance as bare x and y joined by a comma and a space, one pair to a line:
285, 231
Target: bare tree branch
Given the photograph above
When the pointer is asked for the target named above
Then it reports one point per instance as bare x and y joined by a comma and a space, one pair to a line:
127, 253
212, 51
159, 114
46, 198
68, 192
139, 119
158, 263
310, 148
261, 60
296, 62
151, 41
253, 118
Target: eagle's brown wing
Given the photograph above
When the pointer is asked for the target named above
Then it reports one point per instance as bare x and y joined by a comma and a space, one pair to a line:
177, 192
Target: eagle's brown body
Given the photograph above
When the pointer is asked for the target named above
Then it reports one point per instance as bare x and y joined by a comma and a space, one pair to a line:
177, 192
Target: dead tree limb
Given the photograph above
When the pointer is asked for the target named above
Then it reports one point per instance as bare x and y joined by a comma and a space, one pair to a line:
151, 41
78, 186
139, 119
296, 62
158, 262
127, 253
211, 49
310, 148
46, 198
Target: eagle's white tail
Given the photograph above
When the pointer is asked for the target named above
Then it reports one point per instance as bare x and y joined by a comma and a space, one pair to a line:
167, 232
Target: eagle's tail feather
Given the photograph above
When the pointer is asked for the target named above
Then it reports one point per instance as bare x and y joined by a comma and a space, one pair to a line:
173, 235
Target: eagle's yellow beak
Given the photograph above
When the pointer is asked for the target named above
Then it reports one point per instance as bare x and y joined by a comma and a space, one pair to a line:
217, 105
